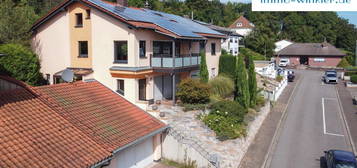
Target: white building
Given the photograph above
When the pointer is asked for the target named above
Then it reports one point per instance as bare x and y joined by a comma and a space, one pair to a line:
279, 45
242, 26
231, 43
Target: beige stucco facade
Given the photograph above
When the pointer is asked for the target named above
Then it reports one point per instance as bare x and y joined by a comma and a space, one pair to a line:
101, 30
213, 60
80, 33
51, 43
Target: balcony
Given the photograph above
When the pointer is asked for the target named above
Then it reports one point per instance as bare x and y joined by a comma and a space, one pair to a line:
180, 61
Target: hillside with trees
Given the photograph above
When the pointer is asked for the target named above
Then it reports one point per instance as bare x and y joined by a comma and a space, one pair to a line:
17, 16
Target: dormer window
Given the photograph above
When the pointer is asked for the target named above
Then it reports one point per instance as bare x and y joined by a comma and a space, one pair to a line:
239, 24
79, 20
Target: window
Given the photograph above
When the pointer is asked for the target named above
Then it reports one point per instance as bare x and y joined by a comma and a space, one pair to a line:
231, 40
83, 49
88, 14
142, 49
213, 48
142, 89
319, 59
231, 51
239, 24
162, 49
120, 86
120, 52
79, 20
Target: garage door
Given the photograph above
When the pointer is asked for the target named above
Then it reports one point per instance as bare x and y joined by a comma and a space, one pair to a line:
137, 156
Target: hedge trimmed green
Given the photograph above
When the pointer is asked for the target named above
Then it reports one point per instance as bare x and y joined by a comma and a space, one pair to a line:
227, 65
354, 78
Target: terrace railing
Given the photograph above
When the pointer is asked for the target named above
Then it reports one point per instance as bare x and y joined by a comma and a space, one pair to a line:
167, 61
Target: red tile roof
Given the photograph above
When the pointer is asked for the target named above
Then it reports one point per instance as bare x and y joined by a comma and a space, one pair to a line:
33, 135
104, 116
67, 125
244, 21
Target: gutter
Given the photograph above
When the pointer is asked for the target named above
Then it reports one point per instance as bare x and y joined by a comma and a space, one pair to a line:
140, 139
104, 162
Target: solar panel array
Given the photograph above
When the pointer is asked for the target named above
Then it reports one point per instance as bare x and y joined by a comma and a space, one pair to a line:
176, 24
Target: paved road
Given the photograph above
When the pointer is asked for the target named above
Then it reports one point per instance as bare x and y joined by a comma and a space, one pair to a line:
313, 124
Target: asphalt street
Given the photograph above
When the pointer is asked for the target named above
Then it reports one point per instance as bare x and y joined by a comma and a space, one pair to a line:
313, 124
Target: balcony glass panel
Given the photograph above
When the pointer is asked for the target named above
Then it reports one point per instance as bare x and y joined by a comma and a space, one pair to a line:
167, 62
178, 62
156, 62
187, 61
195, 60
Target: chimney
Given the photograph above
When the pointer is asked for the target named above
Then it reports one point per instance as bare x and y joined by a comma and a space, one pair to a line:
122, 2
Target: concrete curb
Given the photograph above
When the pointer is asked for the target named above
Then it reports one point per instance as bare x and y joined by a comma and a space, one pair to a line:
345, 122
272, 146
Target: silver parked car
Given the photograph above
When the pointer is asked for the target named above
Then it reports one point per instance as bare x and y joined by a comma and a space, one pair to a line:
330, 76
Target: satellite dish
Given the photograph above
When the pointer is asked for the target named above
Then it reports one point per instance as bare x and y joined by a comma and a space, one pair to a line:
67, 75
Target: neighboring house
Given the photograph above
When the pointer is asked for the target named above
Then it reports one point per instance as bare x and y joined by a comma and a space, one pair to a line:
242, 26
74, 125
140, 53
231, 43
312, 54
281, 45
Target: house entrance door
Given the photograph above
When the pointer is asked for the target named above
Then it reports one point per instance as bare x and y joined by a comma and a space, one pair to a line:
304, 60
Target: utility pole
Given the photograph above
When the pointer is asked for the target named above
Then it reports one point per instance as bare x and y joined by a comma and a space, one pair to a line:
356, 54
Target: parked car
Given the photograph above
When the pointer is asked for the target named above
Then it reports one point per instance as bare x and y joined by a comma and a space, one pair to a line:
330, 76
283, 62
339, 159
291, 76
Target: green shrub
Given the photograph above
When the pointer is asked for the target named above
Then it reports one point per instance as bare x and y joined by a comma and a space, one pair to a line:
203, 68
260, 101
187, 163
191, 107
279, 78
225, 128
354, 78
349, 73
248, 52
222, 86
192, 91
229, 109
227, 65
343, 63
21, 63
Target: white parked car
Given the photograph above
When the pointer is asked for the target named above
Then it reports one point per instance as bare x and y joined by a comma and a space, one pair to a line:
283, 62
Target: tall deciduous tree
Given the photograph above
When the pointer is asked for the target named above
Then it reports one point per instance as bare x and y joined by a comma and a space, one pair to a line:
242, 89
15, 21
203, 68
252, 82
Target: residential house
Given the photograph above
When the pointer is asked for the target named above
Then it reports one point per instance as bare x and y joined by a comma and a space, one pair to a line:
279, 45
140, 53
242, 26
74, 125
311, 54
231, 43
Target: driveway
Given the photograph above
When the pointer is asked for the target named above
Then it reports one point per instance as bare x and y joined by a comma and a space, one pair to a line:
314, 123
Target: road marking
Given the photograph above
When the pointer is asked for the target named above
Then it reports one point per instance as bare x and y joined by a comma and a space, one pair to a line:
324, 117
323, 114
274, 141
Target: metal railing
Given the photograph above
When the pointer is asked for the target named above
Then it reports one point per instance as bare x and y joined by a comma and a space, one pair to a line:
190, 141
167, 61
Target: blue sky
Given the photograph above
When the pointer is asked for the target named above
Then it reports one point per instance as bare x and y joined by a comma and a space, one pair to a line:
351, 16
